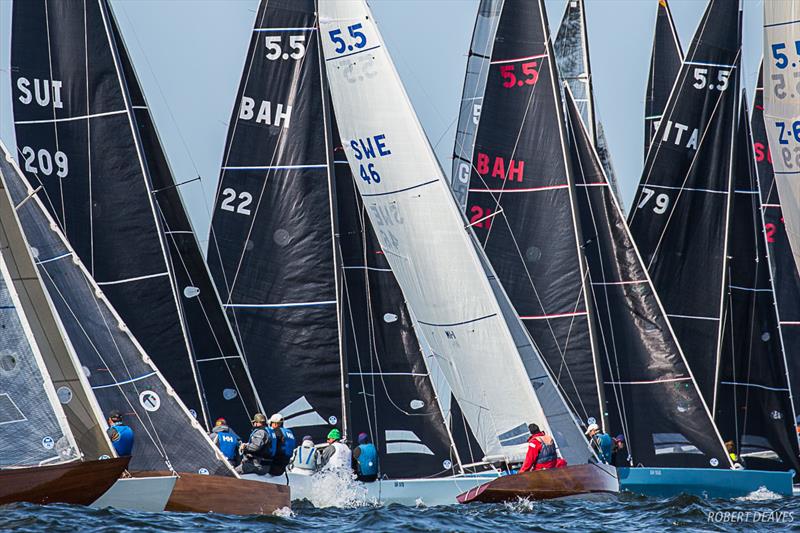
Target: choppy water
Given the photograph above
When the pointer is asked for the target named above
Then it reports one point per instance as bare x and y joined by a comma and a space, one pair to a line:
623, 513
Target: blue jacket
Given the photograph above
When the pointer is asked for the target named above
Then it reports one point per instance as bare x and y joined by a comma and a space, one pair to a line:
367, 458
227, 441
122, 438
604, 446
288, 445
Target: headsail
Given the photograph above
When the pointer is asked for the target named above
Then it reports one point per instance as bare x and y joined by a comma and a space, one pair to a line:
120, 373
650, 395
680, 218
754, 408
571, 48
521, 207
782, 108
785, 277
485, 355
665, 64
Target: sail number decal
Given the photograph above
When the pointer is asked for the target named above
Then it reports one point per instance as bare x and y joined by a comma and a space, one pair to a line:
43, 92
513, 170
367, 149
42, 161
789, 134
526, 75
280, 116
762, 152
384, 217
782, 62
276, 49
704, 79
354, 39
229, 196
661, 201
480, 217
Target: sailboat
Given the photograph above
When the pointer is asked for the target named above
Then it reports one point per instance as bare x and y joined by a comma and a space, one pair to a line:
120, 241
689, 179
313, 301
571, 48
43, 428
782, 109
461, 309
666, 58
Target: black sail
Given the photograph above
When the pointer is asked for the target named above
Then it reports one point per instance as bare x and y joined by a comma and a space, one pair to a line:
754, 404
521, 207
227, 388
391, 396
784, 273
120, 373
680, 216
650, 395
572, 55
77, 139
271, 251
665, 64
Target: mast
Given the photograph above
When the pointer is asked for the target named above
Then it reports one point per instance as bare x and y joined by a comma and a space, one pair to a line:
665, 64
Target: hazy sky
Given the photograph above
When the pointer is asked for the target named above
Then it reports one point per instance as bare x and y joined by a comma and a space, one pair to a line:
189, 56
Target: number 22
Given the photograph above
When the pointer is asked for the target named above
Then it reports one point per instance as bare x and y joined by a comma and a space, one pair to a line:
229, 195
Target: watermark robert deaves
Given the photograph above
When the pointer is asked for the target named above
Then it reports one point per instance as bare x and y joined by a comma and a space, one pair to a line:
763, 517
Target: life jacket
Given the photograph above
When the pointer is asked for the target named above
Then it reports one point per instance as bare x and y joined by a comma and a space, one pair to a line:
342, 458
604, 446
264, 451
122, 438
306, 457
281, 446
548, 456
368, 459
228, 443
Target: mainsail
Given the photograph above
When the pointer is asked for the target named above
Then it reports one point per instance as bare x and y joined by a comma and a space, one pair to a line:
650, 395
521, 206
680, 218
754, 404
665, 64
78, 140
480, 52
782, 108
120, 373
571, 48
496, 375
785, 277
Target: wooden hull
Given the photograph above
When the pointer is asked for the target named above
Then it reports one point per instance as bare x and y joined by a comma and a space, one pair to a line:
198, 493
79, 482
570, 481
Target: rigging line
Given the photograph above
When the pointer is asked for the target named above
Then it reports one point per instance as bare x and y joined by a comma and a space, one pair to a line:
88, 139
175, 186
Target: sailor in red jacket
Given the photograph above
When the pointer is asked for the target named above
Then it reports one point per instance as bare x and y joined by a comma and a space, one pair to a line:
541, 451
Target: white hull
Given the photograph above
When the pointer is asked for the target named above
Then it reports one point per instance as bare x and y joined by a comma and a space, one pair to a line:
329, 490
149, 494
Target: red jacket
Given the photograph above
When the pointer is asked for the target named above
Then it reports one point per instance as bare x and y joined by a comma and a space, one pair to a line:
539, 443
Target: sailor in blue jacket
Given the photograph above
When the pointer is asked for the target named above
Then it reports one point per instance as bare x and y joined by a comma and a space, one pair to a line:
365, 459
226, 440
121, 435
601, 442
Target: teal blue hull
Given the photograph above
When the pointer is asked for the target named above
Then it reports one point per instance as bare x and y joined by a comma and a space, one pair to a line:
703, 482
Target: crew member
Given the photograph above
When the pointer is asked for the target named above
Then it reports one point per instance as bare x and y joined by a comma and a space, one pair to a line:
365, 459
120, 434
305, 456
281, 445
737, 461
541, 451
255, 453
620, 455
601, 442
226, 440
336, 456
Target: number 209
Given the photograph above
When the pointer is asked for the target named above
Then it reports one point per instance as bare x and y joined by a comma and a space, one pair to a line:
42, 161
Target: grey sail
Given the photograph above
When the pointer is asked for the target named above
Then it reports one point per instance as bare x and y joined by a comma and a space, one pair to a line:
571, 48
120, 373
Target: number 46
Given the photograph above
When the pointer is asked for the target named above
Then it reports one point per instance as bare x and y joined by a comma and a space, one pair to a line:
662, 201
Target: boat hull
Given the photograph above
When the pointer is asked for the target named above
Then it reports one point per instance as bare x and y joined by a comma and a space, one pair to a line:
590, 480
198, 493
148, 494
78, 483
703, 482
325, 491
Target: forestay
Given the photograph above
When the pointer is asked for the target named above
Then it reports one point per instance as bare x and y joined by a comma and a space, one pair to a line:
782, 108
650, 395
433, 256
680, 218
120, 373
785, 277
665, 63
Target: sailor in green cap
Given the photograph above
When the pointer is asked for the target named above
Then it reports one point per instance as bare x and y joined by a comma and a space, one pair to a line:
336, 456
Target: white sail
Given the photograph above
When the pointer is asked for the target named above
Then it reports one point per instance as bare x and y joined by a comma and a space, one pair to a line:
782, 108
466, 318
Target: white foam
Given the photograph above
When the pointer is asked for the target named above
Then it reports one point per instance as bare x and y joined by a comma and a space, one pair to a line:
283, 512
762, 494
